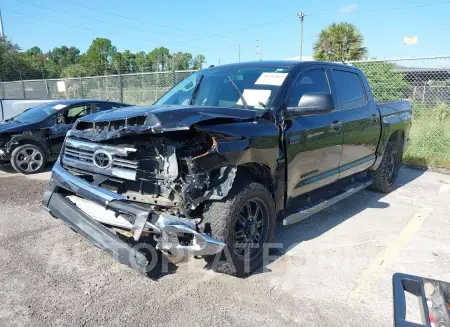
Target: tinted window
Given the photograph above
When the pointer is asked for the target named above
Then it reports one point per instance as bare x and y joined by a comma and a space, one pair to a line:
71, 115
106, 106
311, 81
39, 113
349, 86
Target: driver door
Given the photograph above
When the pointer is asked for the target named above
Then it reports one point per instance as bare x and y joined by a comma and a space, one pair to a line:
63, 122
314, 143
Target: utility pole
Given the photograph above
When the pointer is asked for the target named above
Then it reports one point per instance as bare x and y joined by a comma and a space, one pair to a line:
239, 49
259, 48
301, 17
2, 30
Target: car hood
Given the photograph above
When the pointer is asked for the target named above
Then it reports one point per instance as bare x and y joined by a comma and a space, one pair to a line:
13, 127
154, 119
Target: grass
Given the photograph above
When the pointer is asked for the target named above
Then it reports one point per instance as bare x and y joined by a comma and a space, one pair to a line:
430, 137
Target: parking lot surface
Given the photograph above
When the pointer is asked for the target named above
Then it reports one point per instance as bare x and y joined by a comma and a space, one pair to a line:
334, 269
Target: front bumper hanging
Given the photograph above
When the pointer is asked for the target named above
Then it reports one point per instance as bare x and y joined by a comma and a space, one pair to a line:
168, 227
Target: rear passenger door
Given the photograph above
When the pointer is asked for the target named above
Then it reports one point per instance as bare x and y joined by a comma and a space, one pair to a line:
360, 122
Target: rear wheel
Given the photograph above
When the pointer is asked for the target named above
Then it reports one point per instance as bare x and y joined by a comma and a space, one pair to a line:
386, 174
28, 159
245, 221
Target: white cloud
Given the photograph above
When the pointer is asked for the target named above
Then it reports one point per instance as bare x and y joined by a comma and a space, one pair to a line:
348, 8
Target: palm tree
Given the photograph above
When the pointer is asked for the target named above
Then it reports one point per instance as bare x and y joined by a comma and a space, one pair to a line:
339, 42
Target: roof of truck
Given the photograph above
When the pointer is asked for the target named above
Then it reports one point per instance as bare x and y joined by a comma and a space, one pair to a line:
280, 63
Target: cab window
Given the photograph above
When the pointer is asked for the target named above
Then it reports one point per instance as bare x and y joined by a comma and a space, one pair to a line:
311, 81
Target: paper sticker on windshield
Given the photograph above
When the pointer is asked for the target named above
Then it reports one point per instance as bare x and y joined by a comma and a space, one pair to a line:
59, 106
255, 98
271, 79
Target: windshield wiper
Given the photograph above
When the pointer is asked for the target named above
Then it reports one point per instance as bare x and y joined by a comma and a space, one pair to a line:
239, 92
194, 93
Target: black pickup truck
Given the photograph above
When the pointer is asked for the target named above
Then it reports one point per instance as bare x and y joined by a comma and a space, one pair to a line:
209, 168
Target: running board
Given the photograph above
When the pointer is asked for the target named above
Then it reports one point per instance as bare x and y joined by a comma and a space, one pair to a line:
305, 213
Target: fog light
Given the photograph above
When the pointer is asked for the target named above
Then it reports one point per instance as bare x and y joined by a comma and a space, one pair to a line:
2, 152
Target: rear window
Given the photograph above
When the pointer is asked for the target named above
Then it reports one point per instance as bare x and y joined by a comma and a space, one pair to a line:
350, 88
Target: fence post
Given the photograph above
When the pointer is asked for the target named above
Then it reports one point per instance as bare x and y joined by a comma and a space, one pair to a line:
81, 86
423, 94
120, 87
156, 86
23, 90
47, 88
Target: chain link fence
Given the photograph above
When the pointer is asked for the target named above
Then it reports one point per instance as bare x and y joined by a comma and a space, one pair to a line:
423, 81
140, 89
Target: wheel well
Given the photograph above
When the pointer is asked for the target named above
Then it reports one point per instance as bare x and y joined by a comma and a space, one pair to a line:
20, 142
257, 172
398, 138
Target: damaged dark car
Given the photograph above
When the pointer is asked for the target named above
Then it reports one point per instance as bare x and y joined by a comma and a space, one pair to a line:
211, 165
35, 137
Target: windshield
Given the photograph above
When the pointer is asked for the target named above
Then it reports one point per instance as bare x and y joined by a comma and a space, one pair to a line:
231, 87
39, 113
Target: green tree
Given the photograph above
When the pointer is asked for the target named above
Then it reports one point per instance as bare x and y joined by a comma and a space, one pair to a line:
99, 55
64, 56
198, 61
181, 61
75, 70
141, 62
12, 61
161, 58
339, 42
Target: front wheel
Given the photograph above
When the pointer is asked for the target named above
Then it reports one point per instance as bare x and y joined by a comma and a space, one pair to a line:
386, 174
28, 159
245, 222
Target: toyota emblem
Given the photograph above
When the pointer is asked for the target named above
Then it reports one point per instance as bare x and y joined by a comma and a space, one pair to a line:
102, 159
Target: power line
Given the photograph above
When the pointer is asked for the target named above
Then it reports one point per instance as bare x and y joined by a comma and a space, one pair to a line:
381, 9
121, 16
95, 30
90, 18
108, 22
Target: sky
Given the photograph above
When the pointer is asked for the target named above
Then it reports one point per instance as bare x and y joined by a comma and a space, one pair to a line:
216, 28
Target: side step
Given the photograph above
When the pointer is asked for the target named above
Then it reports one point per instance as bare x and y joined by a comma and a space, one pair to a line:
319, 206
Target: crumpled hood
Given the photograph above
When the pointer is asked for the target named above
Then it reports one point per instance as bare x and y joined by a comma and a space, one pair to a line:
171, 117
13, 127
158, 119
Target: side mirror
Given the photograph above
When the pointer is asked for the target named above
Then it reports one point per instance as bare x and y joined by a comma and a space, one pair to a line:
312, 103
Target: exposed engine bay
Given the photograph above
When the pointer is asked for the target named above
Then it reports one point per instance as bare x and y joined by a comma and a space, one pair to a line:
159, 170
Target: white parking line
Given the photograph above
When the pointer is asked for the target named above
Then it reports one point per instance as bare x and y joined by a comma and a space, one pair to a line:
386, 257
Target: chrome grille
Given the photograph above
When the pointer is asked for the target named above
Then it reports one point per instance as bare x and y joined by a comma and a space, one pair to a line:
80, 155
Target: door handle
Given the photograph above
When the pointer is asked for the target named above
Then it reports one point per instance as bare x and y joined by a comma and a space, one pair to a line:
375, 117
336, 126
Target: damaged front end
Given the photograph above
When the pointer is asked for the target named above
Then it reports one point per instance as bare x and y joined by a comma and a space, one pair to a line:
123, 175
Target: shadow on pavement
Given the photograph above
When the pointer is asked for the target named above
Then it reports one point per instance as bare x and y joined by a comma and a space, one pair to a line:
333, 216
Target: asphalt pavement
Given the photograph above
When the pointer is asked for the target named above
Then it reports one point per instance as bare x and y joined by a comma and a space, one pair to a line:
334, 269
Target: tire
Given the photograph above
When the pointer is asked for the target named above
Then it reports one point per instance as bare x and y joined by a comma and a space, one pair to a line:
386, 174
28, 159
225, 222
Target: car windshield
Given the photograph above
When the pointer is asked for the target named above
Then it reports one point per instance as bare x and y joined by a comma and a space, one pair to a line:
229, 86
39, 113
